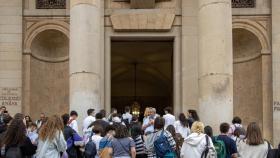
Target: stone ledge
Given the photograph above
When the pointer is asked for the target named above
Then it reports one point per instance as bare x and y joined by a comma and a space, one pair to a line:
142, 21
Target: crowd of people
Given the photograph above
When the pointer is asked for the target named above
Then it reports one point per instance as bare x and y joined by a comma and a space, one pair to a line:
124, 136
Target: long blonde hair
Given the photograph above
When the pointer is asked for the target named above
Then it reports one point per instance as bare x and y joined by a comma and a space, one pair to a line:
50, 128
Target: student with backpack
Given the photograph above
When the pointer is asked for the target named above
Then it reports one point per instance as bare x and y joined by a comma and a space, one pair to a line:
236, 130
104, 143
253, 145
51, 139
219, 145
230, 145
15, 143
72, 138
122, 146
160, 143
95, 138
197, 144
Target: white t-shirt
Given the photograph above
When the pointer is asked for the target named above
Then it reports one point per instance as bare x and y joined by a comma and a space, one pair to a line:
96, 139
169, 120
87, 121
74, 125
127, 116
184, 131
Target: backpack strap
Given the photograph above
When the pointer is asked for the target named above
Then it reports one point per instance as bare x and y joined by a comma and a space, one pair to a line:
205, 152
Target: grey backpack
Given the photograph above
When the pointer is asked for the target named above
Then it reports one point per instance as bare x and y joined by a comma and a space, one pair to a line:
13, 152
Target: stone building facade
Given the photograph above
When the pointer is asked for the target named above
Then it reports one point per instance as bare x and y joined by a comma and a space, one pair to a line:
219, 57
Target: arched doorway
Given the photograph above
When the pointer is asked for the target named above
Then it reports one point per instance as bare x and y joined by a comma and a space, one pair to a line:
48, 73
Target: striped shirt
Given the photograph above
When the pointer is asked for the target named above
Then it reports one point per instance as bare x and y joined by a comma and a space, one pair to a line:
139, 145
152, 153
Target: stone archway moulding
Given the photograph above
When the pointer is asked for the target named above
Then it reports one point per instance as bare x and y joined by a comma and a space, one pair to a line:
41, 26
257, 29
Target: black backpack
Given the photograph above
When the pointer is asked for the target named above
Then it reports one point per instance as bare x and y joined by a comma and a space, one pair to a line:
273, 153
90, 149
13, 152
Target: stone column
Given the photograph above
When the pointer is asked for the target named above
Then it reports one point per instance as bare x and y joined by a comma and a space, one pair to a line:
215, 63
85, 56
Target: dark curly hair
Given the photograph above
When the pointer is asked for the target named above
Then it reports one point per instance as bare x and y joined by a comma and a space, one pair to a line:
121, 131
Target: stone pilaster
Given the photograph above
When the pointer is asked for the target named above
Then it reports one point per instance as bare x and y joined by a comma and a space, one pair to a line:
85, 56
276, 69
215, 65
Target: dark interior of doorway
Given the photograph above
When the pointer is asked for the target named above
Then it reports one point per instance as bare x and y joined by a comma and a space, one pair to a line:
141, 71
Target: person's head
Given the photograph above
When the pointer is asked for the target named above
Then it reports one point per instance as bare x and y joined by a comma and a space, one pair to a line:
42, 116
171, 129
99, 116
110, 130
224, 128
147, 112
136, 130
197, 127
183, 120
254, 135
134, 119
49, 130
127, 109
209, 131
159, 123
97, 129
168, 110
193, 114
28, 118
33, 127
103, 112
236, 120
7, 119
153, 111
2, 109
65, 119
74, 114
20, 116
90, 112
114, 110
121, 131
16, 133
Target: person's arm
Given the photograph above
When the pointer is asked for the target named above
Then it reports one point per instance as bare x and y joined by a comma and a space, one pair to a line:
133, 152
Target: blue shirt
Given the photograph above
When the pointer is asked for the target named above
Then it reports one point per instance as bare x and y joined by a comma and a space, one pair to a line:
230, 145
146, 121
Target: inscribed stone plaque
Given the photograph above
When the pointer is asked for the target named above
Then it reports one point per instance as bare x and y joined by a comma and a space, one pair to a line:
10, 96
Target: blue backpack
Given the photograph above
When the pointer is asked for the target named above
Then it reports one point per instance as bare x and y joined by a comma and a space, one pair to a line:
90, 149
162, 146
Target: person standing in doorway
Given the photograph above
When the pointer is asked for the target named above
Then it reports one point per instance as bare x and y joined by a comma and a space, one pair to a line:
168, 117
126, 117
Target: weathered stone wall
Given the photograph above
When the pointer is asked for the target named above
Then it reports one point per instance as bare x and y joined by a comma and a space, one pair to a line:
11, 54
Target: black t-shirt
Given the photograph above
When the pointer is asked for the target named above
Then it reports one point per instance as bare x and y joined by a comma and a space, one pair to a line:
230, 145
